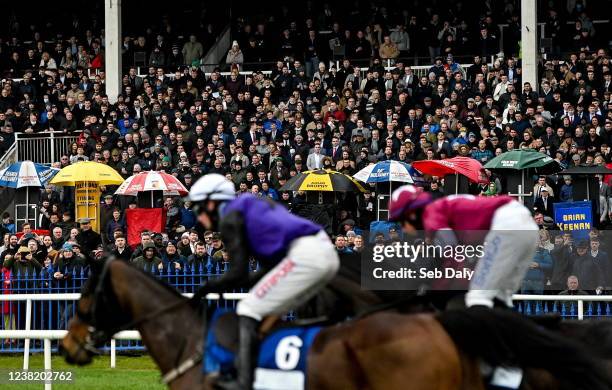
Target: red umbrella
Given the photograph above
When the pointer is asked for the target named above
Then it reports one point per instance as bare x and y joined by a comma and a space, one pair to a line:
465, 166
152, 181
606, 178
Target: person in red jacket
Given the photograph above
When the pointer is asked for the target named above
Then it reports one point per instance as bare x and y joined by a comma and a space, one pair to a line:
334, 114
505, 225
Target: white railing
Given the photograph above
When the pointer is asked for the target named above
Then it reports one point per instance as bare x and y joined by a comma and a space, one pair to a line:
45, 147
47, 335
579, 299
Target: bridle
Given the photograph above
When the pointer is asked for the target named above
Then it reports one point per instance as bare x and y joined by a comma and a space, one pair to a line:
98, 335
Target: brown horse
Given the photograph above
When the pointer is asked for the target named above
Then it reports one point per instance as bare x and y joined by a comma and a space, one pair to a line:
384, 350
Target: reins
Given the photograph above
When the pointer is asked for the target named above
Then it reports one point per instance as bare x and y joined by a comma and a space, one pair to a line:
96, 336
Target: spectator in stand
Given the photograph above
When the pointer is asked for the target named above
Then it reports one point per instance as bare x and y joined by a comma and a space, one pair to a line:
341, 245
539, 269
148, 260
388, 50
234, 56
401, 38
172, 259
87, 238
567, 190
21, 261
200, 258
573, 287
121, 250
192, 51
309, 114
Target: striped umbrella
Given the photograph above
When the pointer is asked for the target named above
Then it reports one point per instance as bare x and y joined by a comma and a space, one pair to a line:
322, 180
152, 181
26, 174
388, 170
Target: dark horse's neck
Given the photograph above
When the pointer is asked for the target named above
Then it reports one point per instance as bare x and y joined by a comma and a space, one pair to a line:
170, 338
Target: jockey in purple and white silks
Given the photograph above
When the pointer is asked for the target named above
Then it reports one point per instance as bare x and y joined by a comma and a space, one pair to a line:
296, 258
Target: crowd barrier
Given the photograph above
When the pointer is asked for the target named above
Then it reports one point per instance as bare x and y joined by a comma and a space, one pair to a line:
37, 301
53, 314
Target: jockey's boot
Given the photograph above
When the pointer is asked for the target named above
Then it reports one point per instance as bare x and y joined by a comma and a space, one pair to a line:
247, 356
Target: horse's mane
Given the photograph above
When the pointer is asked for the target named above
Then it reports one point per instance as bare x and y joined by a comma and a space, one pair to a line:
96, 270
159, 282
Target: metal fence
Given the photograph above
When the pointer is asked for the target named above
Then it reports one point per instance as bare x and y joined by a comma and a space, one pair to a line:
55, 314
43, 148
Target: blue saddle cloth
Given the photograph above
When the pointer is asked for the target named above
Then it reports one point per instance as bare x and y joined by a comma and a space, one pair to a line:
282, 361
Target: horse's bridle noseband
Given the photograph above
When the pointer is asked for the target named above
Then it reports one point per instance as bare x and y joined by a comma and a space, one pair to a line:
96, 337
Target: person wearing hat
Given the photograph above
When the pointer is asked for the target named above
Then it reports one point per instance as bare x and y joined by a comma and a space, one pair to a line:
346, 225
87, 238
238, 174
166, 164
216, 244
67, 262
148, 260
587, 269
538, 187
172, 260
544, 203
106, 214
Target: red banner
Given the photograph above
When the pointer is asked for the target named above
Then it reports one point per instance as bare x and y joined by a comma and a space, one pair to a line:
139, 220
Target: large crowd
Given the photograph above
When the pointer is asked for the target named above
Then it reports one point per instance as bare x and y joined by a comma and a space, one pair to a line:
261, 129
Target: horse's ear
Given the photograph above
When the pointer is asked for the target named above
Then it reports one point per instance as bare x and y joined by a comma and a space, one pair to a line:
98, 265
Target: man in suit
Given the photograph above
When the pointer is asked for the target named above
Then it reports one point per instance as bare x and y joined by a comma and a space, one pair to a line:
252, 136
442, 145
600, 258
544, 203
537, 188
607, 83
336, 150
605, 200
571, 115
315, 159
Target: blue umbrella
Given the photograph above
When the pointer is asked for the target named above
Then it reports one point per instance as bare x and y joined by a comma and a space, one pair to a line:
388, 171
26, 174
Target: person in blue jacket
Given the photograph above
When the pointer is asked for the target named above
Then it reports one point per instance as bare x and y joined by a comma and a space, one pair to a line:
540, 266
188, 218
296, 258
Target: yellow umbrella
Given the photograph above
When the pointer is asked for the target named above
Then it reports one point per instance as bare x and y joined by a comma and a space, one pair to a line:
87, 171
323, 180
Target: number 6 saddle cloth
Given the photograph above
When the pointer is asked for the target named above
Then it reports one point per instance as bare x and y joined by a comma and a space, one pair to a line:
283, 353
